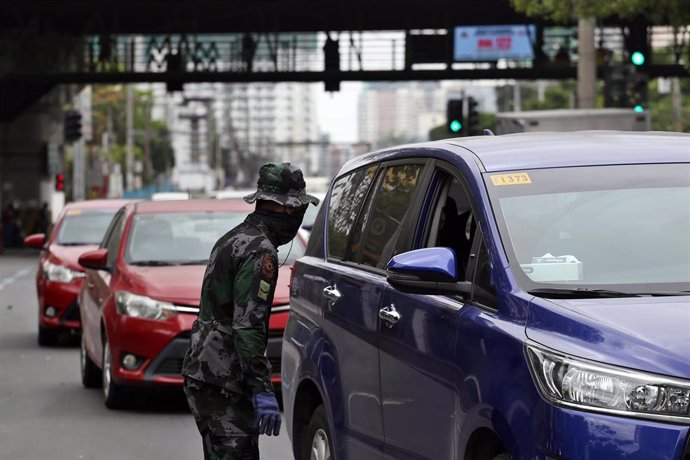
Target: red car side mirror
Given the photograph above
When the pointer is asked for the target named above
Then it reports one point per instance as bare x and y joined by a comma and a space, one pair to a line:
37, 240
96, 260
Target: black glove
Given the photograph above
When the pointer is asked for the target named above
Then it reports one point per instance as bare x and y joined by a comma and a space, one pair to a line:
268, 413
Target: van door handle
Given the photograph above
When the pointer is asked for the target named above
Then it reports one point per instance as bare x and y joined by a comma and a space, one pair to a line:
332, 294
390, 315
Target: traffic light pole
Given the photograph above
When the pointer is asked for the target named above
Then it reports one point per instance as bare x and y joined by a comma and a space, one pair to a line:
78, 169
129, 165
586, 64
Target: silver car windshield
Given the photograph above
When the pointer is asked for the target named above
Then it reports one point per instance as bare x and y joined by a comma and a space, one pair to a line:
607, 227
177, 238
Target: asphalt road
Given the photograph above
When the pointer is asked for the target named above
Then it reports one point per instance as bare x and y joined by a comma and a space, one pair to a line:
46, 413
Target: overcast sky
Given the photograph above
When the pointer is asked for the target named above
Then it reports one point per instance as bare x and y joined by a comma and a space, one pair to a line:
337, 112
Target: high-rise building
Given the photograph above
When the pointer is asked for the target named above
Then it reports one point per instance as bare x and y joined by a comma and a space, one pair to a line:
393, 113
273, 122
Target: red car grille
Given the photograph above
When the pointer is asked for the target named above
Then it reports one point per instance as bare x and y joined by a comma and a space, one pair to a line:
170, 366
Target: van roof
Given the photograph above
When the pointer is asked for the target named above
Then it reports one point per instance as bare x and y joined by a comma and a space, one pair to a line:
580, 148
521, 151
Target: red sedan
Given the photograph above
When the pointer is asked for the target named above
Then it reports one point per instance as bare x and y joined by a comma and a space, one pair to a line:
143, 287
79, 228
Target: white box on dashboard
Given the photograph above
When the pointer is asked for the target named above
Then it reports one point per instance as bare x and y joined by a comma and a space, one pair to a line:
553, 268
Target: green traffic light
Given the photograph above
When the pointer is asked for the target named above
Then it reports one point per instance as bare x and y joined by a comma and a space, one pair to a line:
638, 108
455, 126
637, 58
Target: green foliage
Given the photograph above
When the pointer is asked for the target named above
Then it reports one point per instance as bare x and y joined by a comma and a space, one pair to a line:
162, 153
439, 132
661, 108
556, 96
109, 111
486, 121
671, 12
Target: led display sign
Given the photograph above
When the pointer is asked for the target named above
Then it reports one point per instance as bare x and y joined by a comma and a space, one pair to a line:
491, 43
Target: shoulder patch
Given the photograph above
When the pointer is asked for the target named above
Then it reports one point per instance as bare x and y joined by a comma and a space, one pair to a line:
264, 289
268, 266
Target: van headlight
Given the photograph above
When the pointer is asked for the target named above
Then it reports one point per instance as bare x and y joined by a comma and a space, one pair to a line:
578, 383
139, 306
60, 273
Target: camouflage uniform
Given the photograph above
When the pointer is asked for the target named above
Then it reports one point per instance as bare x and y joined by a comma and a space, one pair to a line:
226, 364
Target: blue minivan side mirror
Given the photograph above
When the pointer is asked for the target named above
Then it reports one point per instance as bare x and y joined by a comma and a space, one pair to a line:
426, 271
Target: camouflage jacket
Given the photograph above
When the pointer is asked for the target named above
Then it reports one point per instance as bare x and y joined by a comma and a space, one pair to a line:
229, 337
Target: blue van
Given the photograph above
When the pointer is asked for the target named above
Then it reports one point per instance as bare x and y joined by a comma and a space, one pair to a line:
524, 296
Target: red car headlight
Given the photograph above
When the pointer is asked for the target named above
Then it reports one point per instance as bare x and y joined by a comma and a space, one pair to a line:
60, 273
140, 306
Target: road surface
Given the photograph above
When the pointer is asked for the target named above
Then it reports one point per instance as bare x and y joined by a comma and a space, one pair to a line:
46, 413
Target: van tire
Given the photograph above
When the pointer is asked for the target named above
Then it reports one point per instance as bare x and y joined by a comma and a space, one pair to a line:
317, 438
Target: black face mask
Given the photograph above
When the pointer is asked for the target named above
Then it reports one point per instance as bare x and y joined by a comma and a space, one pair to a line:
283, 226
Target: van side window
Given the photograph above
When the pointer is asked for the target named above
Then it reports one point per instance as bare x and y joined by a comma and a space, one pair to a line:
346, 200
452, 222
384, 220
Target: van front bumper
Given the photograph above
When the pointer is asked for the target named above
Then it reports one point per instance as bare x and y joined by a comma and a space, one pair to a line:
563, 433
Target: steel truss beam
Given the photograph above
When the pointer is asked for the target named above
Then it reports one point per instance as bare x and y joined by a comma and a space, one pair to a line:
319, 76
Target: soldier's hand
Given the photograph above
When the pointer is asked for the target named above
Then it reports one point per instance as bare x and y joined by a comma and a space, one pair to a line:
268, 413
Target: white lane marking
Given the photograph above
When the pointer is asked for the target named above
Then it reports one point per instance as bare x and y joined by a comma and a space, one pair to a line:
14, 277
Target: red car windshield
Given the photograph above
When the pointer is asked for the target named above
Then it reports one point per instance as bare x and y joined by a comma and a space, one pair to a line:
175, 238
84, 227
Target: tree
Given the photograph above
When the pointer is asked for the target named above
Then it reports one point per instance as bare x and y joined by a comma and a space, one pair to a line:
673, 12
662, 112
162, 153
152, 140
486, 121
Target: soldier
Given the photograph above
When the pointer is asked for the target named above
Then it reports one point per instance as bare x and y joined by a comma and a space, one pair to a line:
227, 376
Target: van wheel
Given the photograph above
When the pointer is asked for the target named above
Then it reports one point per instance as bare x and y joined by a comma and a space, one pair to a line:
90, 373
317, 443
46, 337
502, 456
113, 394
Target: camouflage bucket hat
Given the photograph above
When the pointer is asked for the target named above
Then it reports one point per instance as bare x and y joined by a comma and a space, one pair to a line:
282, 183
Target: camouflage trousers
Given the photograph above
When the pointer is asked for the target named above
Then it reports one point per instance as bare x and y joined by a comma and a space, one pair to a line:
227, 424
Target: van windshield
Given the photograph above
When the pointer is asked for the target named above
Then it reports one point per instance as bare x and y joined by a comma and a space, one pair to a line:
624, 228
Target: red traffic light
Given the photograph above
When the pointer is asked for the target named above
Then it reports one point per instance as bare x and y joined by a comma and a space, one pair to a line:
60, 182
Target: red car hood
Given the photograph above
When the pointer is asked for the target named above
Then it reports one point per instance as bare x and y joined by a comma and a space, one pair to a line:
181, 284
69, 255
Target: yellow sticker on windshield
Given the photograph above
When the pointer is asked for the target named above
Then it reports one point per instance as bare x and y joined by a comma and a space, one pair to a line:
511, 179
74, 212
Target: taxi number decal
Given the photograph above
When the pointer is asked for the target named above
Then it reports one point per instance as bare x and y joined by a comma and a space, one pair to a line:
511, 179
